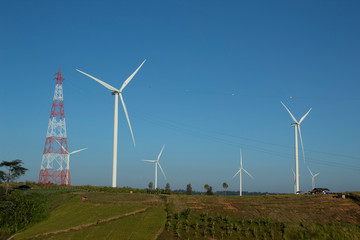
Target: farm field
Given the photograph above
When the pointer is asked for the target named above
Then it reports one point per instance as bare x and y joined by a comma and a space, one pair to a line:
107, 215
114, 215
261, 217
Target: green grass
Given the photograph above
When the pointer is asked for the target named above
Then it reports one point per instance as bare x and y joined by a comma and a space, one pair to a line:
75, 212
208, 217
141, 226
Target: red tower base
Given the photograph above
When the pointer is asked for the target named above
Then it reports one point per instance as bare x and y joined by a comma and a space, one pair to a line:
50, 176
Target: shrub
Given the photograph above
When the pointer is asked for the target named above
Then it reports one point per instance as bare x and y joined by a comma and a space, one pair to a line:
20, 210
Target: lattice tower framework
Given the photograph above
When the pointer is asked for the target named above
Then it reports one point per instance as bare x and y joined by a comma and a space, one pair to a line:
55, 160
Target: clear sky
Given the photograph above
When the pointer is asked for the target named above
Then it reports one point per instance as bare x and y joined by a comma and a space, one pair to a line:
215, 74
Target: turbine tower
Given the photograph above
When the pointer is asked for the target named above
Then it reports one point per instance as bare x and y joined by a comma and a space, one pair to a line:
116, 93
239, 172
313, 178
53, 167
296, 126
157, 164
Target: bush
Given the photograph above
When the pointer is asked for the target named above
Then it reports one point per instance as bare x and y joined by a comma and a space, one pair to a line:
20, 210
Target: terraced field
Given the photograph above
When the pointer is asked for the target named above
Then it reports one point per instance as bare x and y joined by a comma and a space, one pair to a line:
102, 216
113, 215
261, 217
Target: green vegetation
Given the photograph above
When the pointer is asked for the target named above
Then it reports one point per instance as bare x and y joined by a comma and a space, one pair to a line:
188, 189
208, 189
225, 186
75, 212
144, 225
19, 210
86, 212
14, 171
183, 225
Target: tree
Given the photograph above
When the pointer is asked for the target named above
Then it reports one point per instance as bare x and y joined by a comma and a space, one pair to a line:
150, 185
2, 176
167, 187
208, 189
225, 186
188, 189
14, 170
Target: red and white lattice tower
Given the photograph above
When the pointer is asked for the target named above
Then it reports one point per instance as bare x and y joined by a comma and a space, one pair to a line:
55, 159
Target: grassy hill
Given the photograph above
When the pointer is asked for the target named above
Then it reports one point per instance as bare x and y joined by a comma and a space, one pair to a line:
104, 213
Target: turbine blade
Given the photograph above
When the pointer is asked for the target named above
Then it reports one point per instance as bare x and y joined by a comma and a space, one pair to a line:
310, 172
127, 117
304, 116
148, 160
162, 170
236, 173
131, 77
99, 81
289, 112
316, 174
247, 173
240, 158
160, 152
78, 151
301, 141
62, 147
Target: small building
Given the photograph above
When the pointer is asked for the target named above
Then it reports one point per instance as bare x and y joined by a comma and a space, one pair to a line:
320, 191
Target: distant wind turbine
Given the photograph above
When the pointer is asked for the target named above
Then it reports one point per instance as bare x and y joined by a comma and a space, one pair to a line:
313, 178
239, 172
296, 126
117, 92
157, 164
68, 159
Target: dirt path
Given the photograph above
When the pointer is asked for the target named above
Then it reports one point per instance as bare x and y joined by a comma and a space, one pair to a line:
90, 224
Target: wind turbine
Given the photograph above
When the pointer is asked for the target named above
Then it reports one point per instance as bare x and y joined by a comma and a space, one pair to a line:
157, 164
296, 126
68, 159
116, 93
313, 178
239, 172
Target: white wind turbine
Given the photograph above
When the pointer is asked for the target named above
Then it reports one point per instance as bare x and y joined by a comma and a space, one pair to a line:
313, 178
296, 126
239, 172
117, 92
68, 158
157, 164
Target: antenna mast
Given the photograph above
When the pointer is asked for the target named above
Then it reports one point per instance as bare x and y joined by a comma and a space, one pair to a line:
54, 168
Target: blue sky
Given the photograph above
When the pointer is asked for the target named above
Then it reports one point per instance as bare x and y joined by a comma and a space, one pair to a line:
215, 75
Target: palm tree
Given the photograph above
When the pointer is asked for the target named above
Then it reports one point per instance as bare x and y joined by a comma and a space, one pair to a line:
225, 186
14, 170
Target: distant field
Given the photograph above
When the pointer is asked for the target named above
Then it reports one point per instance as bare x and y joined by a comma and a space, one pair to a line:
281, 208
261, 217
114, 215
